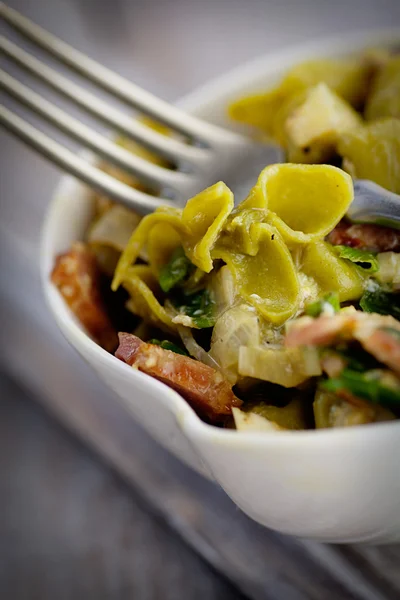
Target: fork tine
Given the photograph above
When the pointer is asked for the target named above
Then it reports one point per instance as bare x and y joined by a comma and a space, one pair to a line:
169, 148
78, 167
155, 175
110, 81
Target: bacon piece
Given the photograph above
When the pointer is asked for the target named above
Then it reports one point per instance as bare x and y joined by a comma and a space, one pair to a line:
323, 331
375, 238
77, 277
378, 334
384, 344
205, 389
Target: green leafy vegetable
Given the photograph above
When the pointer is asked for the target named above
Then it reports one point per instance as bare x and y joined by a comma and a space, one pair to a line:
331, 300
379, 301
199, 306
176, 270
361, 258
376, 386
358, 359
168, 346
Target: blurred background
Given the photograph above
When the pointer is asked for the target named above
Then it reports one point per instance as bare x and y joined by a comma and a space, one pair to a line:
113, 515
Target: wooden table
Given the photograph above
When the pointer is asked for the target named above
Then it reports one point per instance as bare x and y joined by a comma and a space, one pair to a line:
70, 528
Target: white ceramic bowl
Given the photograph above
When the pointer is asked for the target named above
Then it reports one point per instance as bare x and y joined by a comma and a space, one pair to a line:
340, 485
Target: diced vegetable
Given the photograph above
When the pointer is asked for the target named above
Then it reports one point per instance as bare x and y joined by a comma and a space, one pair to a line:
292, 416
223, 289
114, 227
194, 349
357, 359
168, 346
313, 128
332, 411
287, 366
237, 327
347, 78
308, 286
377, 300
175, 271
199, 306
250, 421
329, 304
389, 269
361, 258
381, 387
109, 235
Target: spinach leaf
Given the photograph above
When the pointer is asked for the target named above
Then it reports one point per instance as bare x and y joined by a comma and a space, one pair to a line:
380, 301
369, 385
358, 359
168, 346
175, 271
314, 309
198, 305
362, 258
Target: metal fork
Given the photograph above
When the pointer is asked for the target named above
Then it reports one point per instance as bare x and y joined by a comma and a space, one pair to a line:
206, 154
200, 156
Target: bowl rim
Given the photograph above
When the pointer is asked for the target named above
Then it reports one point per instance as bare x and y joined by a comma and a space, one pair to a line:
275, 62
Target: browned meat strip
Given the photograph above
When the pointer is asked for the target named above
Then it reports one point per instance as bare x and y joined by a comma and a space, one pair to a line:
205, 389
378, 334
77, 277
384, 344
366, 237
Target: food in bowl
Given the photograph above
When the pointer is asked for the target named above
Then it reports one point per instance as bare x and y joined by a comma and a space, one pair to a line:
277, 313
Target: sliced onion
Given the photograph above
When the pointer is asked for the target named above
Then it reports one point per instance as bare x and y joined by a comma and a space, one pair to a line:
288, 367
223, 290
389, 268
114, 228
195, 349
238, 326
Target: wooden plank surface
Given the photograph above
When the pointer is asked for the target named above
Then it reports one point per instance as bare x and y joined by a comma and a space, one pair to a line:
71, 529
261, 563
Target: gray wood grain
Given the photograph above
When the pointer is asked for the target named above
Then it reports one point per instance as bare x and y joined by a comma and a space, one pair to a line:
71, 529
262, 563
